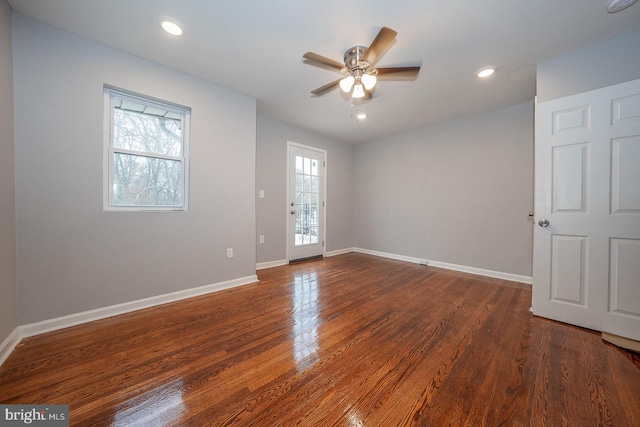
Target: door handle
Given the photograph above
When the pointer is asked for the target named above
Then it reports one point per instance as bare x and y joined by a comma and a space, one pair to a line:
543, 223
293, 212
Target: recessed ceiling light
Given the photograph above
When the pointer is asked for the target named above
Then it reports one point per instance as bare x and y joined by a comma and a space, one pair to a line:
485, 72
361, 116
618, 5
171, 26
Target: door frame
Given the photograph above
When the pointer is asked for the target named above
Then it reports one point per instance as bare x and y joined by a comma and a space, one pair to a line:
323, 214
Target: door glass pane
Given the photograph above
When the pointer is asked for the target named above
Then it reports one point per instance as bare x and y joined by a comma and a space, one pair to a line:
307, 201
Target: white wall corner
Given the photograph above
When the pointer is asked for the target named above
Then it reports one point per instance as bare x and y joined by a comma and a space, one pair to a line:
9, 344
127, 307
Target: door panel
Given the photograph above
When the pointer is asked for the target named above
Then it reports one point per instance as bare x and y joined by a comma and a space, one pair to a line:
587, 257
626, 108
625, 193
569, 179
625, 273
568, 269
306, 202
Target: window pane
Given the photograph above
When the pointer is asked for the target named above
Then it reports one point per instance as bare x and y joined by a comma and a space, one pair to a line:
146, 133
146, 181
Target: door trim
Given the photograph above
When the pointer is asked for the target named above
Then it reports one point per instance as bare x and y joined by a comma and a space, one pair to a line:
324, 189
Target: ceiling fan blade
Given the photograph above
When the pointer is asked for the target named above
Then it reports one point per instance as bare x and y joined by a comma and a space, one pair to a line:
380, 45
326, 88
398, 73
321, 61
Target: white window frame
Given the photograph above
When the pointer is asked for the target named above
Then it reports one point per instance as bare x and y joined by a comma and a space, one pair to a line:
108, 149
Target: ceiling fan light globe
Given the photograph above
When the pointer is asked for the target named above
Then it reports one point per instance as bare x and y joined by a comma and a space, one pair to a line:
358, 91
346, 84
369, 81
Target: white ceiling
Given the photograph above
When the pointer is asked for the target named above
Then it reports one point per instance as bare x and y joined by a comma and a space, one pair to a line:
256, 47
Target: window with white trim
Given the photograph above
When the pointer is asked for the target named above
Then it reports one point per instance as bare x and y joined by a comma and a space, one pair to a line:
146, 153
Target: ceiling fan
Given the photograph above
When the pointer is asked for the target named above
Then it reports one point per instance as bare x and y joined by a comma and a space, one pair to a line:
359, 67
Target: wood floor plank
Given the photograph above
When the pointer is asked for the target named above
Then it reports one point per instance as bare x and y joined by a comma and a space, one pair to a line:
351, 340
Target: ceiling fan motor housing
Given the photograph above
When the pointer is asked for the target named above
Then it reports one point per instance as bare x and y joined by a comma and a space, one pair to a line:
354, 58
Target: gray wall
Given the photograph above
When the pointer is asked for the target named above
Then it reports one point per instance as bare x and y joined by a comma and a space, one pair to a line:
8, 302
601, 65
458, 192
271, 176
71, 255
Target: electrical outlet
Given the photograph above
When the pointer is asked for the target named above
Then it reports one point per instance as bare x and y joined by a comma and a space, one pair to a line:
229, 252
262, 238
261, 194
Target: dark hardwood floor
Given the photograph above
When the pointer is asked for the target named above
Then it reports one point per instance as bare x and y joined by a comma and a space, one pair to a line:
352, 340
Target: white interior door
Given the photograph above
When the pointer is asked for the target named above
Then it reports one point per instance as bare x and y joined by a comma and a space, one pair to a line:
587, 210
305, 208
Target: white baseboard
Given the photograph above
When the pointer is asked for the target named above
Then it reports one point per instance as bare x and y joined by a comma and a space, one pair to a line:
9, 344
482, 272
390, 255
127, 307
455, 267
338, 252
270, 264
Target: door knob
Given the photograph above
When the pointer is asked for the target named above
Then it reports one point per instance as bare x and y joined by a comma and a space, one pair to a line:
293, 212
543, 223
